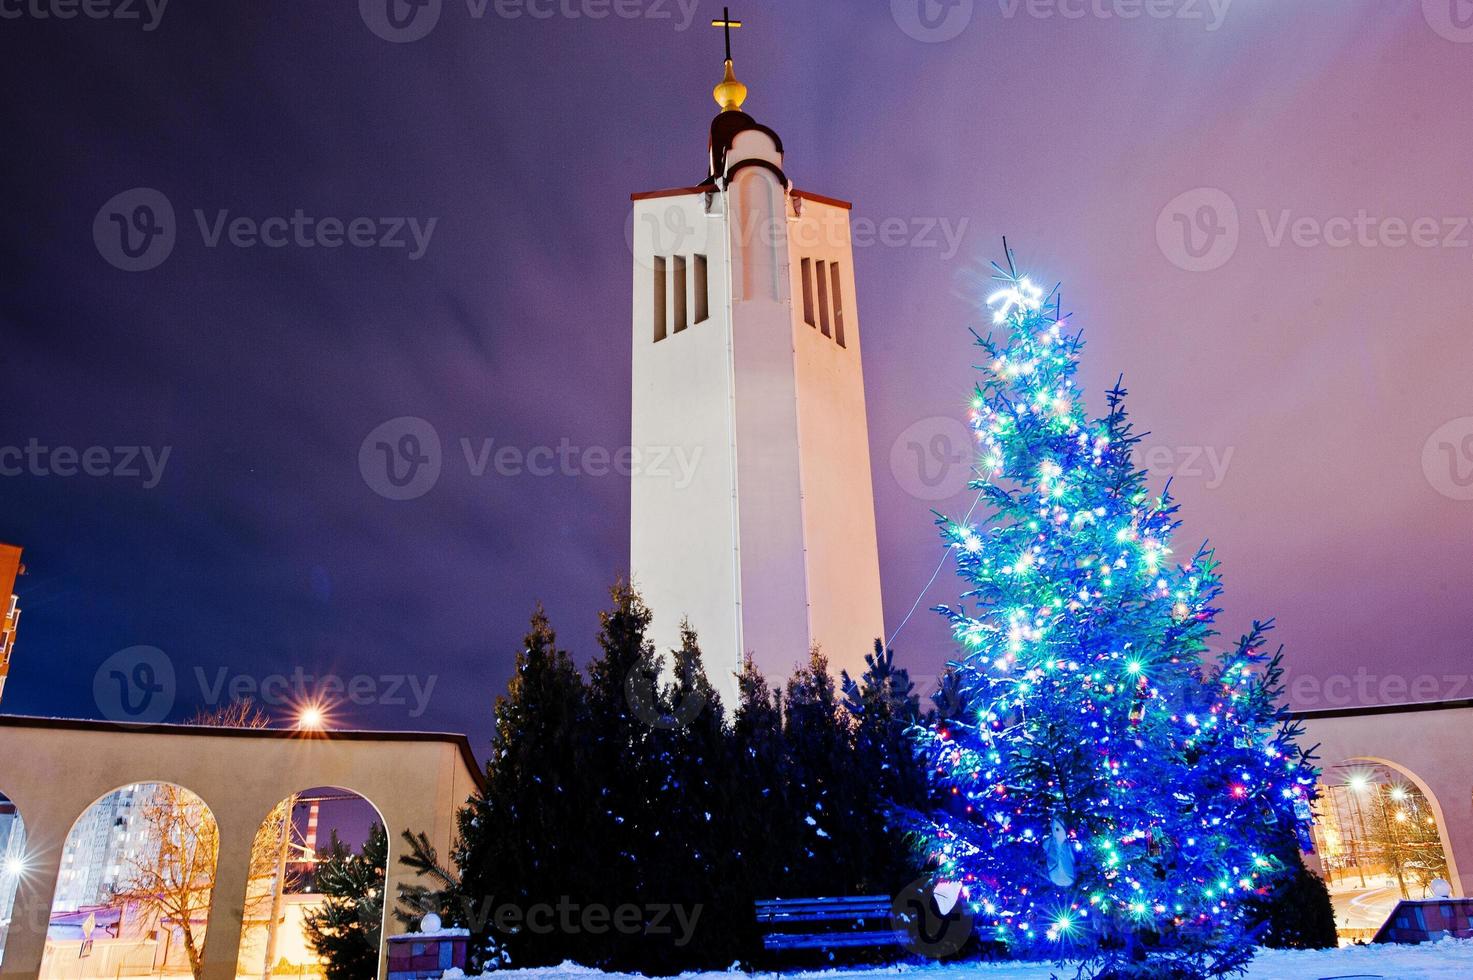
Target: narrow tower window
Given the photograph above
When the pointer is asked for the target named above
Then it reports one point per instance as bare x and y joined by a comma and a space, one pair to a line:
659, 298
703, 298
808, 291
823, 299
679, 293
838, 297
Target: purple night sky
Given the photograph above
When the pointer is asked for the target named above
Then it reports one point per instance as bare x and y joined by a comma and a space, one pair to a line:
1307, 384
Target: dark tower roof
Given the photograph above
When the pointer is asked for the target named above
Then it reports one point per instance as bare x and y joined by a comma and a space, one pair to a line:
724, 130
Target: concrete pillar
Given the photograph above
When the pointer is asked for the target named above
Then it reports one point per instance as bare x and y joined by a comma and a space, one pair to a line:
1454, 796
26, 942
47, 812
394, 874
227, 904
1314, 863
417, 814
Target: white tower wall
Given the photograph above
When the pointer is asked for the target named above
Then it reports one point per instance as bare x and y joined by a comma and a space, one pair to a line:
771, 548
833, 433
683, 536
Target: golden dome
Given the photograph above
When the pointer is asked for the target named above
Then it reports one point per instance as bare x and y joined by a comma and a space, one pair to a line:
729, 93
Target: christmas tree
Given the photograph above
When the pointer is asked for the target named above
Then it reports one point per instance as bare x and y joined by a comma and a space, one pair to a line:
1112, 793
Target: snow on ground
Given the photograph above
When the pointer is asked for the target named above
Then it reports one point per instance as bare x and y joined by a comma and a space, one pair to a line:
1451, 959
1363, 909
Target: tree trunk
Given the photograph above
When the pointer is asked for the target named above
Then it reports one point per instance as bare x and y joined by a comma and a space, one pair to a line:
196, 968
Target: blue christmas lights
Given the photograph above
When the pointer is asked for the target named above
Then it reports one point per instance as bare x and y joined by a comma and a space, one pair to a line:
1110, 792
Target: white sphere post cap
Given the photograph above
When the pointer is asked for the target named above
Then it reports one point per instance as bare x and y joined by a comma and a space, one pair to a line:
1441, 888
430, 923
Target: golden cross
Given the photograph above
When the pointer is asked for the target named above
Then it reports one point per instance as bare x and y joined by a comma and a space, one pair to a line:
727, 23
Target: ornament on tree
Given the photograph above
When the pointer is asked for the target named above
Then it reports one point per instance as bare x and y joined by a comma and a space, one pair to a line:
1138, 705
946, 894
1303, 822
1060, 855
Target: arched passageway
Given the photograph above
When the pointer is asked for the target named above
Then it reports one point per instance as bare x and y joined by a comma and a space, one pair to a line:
313, 850
1393, 775
135, 886
415, 779
1379, 837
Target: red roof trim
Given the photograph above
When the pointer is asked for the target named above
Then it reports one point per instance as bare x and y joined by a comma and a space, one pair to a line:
706, 188
672, 192
810, 196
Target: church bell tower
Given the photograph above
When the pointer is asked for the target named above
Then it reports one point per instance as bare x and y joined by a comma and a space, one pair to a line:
747, 371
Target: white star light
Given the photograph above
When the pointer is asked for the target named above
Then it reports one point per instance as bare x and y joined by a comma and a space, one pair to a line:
1021, 295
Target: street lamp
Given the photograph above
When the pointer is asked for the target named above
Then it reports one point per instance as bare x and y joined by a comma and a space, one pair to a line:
312, 717
1358, 783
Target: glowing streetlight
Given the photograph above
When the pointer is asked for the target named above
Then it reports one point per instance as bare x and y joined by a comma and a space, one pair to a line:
311, 718
1358, 782
15, 866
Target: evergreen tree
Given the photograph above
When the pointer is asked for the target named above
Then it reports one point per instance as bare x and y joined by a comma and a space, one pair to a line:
1297, 912
1294, 911
888, 779
1113, 795
691, 694
766, 835
634, 789
702, 814
951, 700
695, 813
444, 895
346, 930
759, 714
884, 706
525, 839
822, 785
630, 752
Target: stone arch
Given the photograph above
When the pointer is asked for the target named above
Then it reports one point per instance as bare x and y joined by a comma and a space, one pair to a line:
152, 836
12, 863
417, 780
286, 835
1433, 803
1374, 842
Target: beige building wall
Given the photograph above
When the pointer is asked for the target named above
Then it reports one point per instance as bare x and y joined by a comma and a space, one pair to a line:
416, 780
1428, 744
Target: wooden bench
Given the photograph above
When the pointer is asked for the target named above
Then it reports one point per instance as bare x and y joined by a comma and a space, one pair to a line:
851, 922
